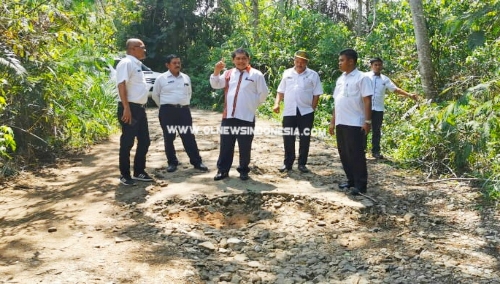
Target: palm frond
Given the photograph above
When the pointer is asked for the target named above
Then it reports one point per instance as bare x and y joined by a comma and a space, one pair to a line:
14, 64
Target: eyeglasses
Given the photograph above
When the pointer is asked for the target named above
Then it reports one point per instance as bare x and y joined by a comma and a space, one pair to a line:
141, 46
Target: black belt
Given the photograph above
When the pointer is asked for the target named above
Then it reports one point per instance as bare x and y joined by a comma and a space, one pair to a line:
135, 104
176, 106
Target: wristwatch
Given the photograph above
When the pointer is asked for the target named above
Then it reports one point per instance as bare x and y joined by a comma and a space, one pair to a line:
368, 121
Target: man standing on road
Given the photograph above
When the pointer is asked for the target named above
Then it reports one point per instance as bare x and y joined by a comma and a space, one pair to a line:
300, 88
133, 96
172, 93
244, 90
351, 119
381, 83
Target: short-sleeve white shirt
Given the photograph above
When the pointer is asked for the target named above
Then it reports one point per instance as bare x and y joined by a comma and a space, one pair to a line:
129, 71
299, 90
169, 89
348, 95
380, 85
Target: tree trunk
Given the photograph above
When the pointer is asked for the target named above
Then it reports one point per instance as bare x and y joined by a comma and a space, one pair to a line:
256, 15
424, 49
359, 21
374, 17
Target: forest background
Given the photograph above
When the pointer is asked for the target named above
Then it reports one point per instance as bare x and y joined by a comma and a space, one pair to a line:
56, 95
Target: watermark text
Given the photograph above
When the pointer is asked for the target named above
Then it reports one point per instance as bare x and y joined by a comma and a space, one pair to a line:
245, 130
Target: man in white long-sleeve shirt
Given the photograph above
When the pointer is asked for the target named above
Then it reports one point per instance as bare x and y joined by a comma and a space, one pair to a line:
244, 90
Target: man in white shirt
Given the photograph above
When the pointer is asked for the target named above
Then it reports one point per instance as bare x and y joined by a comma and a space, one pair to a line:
132, 99
172, 93
244, 90
300, 88
381, 83
351, 120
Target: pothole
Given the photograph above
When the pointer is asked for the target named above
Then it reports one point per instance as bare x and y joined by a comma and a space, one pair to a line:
276, 236
242, 210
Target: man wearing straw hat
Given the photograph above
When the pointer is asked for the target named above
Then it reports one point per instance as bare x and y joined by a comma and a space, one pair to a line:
300, 88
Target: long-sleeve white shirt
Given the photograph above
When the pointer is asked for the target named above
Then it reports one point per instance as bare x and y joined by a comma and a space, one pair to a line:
251, 93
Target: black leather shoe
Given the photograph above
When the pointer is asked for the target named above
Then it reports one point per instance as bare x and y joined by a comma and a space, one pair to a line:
171, 168
244, 176
221, 175
284, 168
201, 167
377, 156
345, 185
303, 168
356, 191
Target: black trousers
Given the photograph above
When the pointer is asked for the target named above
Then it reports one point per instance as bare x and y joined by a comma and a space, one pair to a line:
138, 128
301, 124
377, 118
233, 130
172, 120
351, 141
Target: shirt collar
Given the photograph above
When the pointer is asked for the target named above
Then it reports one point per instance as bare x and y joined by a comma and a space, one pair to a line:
169, 74
134, 59
303, 73
352, 73
246, 69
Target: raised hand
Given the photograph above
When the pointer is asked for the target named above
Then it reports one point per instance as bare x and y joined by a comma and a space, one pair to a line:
219, 66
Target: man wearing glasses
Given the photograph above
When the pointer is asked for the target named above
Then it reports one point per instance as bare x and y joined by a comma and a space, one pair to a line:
133, 96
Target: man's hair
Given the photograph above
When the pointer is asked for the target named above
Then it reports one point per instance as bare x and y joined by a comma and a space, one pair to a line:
350, 53
169, 58
239, 50
376, 59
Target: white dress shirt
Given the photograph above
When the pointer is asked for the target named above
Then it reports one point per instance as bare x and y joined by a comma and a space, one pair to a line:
348, 98
129, 71
251, 93
298, 90
169, 89
380, 85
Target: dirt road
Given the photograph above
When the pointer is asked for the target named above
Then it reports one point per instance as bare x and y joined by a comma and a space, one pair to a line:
73, 223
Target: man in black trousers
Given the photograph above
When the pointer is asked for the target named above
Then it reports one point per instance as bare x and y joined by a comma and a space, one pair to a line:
172, 93
131, 112
244, 90
351, 120
300, 88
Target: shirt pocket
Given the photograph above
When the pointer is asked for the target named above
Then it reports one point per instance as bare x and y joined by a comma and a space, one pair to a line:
247, 85
351, 90
187, 87
137, 77
308, 84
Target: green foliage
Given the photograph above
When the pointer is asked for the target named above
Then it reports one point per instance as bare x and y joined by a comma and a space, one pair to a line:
286, 31
7, 142
55, 92
456, 138
53, 95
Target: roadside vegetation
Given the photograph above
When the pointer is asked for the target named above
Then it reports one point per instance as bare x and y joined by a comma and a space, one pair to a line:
56, 97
